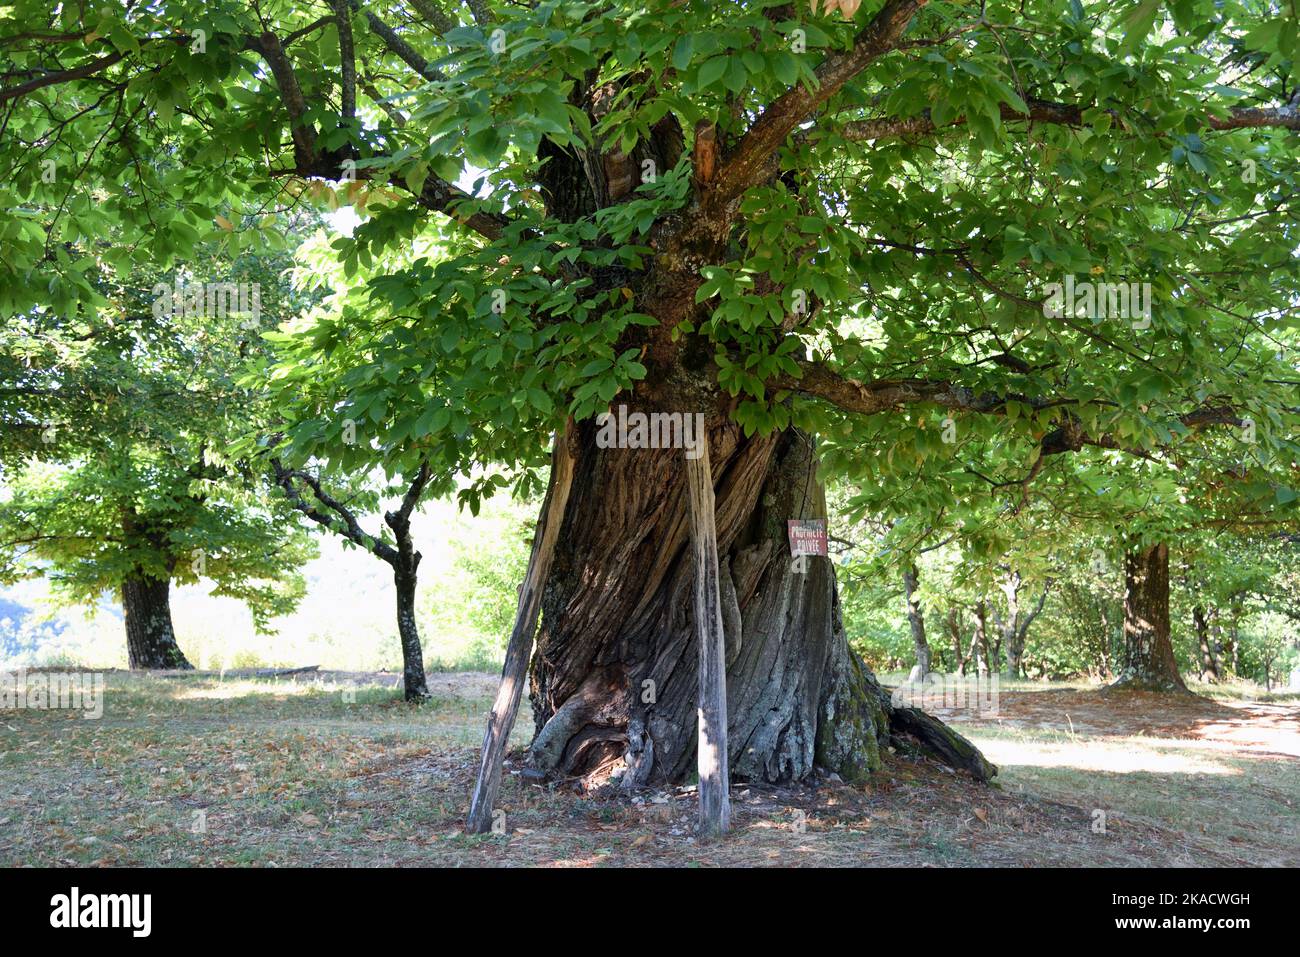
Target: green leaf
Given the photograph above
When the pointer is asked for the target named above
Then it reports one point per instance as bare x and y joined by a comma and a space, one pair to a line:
711, 71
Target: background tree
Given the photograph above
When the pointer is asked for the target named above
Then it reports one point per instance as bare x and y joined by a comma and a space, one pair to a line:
310, 379
127, 489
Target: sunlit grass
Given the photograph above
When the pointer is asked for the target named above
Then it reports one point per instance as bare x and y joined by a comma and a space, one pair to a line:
1024, 748
296, 772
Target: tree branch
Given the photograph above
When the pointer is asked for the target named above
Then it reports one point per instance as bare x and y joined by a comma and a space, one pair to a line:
434, 15
884, 394
348, 62
306, 154
751, 161
60, 76
1063, 114
350, 529
399, 47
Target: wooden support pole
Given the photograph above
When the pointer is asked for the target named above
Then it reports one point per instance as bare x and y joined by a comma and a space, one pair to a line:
715, 781
515, 670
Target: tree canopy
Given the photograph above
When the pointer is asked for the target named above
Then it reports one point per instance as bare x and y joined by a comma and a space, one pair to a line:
859, 211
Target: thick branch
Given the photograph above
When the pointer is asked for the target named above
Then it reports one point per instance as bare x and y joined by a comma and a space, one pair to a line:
884, 394
305, 152
749, 163
434, 16
348, 63
870, 398
1038, 608
399, 47
60, 76
412, 496
346, 522
1063, 114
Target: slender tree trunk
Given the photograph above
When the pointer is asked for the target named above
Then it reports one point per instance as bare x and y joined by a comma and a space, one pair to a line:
1208, 664
1149, 662
1234, 642
1216, 644
1202, 639
954, 632
150, 639
980, 640
413, 679
1104, 650
614, 680
916, 621
406, 566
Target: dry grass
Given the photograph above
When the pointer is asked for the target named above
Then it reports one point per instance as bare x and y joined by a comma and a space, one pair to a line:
194, 770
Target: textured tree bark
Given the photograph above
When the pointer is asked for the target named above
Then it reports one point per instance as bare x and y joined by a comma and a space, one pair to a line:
414, 682
706, 610
916, 622
614, 679
1149, 662
150, 639
406, 566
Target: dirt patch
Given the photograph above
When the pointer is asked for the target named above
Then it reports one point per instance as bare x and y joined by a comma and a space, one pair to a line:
1272, 729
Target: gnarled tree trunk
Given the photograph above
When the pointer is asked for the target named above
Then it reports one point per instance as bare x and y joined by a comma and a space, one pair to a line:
615, 675
150, 639
1149, 662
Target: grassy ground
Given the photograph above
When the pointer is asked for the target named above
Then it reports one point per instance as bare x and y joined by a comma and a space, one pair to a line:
336, 770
